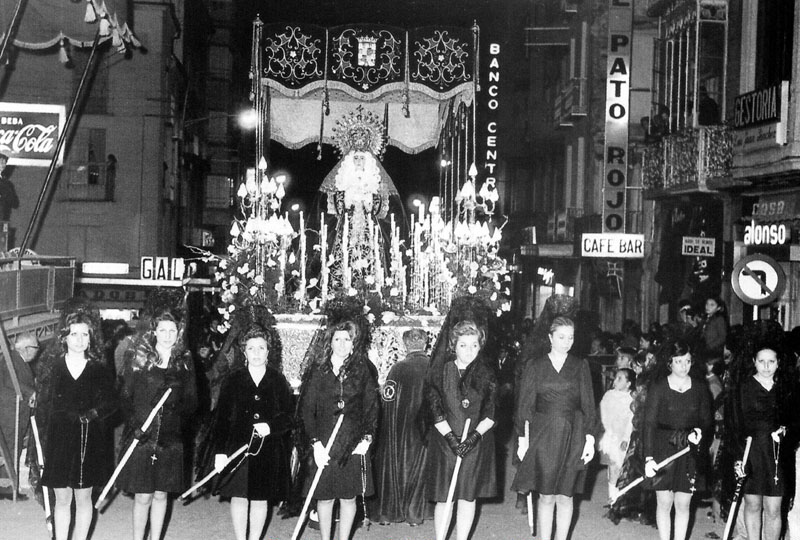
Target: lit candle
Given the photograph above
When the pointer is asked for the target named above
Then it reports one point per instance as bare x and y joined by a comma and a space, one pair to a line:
323, 257
345, 254
421, 212
282, 261
302, 260
378, 265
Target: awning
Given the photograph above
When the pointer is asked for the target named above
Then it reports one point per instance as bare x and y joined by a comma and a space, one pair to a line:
45, 23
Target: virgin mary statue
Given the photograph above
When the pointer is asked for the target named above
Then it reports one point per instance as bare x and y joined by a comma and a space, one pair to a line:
358, 190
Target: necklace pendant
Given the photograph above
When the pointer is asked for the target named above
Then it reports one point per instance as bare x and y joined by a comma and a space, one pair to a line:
340, 404
153, 459
776, 478
465, 403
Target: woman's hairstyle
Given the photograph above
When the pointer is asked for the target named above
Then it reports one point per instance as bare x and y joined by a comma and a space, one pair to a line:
255, 331
466, 328
779, 355
81, 317
559, 322
679, 348
166, 314
344, 326
629, 374
145, 354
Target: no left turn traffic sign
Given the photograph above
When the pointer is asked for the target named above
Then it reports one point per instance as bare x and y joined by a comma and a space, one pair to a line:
758, 279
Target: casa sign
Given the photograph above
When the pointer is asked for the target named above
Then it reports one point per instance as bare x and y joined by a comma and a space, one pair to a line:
617, 114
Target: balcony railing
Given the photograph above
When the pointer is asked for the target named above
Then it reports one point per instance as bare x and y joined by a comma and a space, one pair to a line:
687, 160
35, 284
92, 181
570, 102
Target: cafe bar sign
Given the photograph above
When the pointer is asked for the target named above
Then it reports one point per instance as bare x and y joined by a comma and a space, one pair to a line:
612, 245
29, 133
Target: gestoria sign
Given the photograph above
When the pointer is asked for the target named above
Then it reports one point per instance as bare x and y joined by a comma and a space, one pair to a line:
29, 133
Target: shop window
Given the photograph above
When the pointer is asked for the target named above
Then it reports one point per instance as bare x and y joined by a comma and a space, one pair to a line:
774, 42
689, 72
90, 173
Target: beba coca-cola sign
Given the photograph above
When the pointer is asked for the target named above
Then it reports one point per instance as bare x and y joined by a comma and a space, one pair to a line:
29, 133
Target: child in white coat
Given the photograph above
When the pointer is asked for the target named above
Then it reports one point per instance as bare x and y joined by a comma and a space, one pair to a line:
616, 415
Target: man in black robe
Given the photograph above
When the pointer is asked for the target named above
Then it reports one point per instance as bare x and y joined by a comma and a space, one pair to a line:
25, 351
401, 452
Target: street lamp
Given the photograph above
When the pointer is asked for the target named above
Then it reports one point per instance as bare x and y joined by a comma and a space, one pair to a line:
247, 119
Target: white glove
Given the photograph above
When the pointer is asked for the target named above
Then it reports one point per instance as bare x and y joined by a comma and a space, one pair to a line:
522, 447
778, 433
588, 450
220, 460
650, 468
361, 448
321, 457
695, 436
262, 429
738, 470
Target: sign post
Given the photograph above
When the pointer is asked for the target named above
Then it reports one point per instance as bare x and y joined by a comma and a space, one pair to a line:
758, 280
617, 115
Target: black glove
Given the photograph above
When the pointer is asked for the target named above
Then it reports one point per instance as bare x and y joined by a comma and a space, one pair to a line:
141, 435
452, 442
469, 443
72, 417
88, 416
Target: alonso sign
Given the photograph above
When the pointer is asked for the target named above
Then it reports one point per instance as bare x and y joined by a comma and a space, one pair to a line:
29, 133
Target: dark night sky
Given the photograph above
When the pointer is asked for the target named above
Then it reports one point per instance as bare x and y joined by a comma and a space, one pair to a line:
411, 173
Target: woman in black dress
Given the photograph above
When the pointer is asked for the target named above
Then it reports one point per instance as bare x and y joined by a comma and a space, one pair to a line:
557, 401
464, 388
762, 410
75, 395
340, 382
157, 361
255, 408
677, 413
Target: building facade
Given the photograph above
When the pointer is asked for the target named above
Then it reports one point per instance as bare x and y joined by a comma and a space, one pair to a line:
133, 179
559, 192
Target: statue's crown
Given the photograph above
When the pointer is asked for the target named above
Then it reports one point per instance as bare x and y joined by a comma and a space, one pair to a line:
360, 131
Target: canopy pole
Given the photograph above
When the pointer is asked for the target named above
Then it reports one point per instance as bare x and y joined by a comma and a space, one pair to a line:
12, 27
62, 137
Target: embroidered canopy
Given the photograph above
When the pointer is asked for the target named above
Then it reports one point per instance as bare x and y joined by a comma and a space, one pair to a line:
404, 76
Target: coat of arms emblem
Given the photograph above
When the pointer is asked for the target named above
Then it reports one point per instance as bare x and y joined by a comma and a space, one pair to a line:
367, 46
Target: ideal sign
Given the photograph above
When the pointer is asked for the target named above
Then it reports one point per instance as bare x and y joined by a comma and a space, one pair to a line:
698, 246
612, 246
29, 133
161, 268
617, 114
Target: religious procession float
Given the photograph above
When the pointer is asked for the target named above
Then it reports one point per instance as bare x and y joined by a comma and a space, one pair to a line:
361, 88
